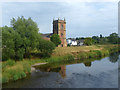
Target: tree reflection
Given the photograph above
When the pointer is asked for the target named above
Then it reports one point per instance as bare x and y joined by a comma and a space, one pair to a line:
88, 64
114, 57
63, 71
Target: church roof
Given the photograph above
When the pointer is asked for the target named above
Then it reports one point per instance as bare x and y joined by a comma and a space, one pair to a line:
47, 35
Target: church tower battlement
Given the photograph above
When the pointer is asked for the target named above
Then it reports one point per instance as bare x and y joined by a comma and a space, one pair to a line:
59, 27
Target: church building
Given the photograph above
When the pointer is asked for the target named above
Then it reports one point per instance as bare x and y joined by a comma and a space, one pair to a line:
59, 27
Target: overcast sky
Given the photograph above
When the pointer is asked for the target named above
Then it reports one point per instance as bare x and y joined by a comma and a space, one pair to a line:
84, 19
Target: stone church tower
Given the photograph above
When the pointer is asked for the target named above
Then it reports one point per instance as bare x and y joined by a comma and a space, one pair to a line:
59, 27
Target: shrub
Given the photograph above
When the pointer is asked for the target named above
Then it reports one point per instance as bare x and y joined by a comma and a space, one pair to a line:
105, 52
14, 70
15, 77
68, 57
91, 55
23, 74
55, 39
46, 48
10, 62
27, 67
5, 77
98, 52
83, 55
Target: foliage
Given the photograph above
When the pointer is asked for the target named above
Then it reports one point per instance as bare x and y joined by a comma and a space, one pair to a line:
114, 57
113, 38
46, 48
22, 38
7, 43
55, 39
67, 57
82, 55
88, 41
16, 71
15, 77
5, 77
23, 74
10, 62
97, 52
28, 31
19, 69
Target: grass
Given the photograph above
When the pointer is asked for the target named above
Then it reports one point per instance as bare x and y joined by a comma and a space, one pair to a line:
59, 51
12, 71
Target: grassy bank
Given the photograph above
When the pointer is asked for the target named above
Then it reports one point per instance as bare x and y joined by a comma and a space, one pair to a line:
12, 71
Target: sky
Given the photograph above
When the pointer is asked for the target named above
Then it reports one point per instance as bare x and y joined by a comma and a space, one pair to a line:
83, 19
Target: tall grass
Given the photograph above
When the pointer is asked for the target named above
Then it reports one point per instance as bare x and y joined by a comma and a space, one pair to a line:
15, 72
60, 58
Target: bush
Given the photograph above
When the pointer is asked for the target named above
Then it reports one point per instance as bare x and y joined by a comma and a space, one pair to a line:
92, 54
88, 41
15, 77
5, 77
82, 55
16, 71
23, 74
105, 52
10, 62
55, 39
68, 57
46, 48
27, 67
98, 52
58, 58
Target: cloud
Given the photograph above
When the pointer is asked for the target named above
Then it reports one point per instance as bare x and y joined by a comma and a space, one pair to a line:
83, 18
59, 1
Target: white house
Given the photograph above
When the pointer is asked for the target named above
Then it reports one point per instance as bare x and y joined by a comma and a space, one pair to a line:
71, 42
74, 43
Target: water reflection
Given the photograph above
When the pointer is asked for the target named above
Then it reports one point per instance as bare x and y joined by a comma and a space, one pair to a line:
63, 71
73, 74
88, 64
114, 57
61, 66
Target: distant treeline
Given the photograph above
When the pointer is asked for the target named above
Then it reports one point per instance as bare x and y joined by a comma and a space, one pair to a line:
111, 39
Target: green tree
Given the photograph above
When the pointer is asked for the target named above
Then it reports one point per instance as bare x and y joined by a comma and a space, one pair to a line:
113, 38
7, 43
55, 39
19, 40
96, 39
100, 35
88, 41
46, 47
28, 31
18, 46
11, 44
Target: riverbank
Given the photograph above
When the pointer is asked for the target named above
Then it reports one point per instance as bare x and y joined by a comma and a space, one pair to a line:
12, 71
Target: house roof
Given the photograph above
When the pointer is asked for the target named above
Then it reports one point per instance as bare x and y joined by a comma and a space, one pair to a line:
47, 35
80, 40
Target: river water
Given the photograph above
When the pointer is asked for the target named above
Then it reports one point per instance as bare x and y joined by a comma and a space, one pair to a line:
97, 73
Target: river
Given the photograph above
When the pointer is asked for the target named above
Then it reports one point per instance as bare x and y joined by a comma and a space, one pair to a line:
97, 73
